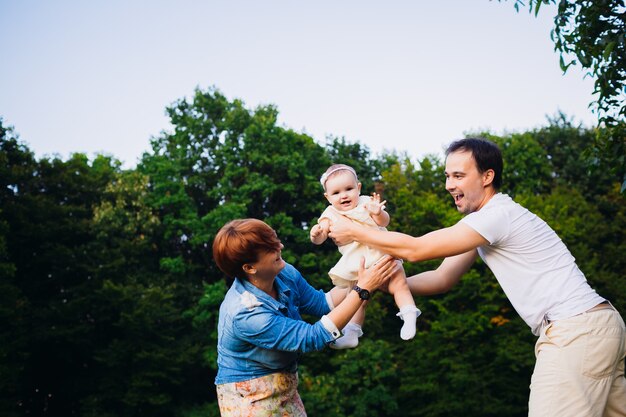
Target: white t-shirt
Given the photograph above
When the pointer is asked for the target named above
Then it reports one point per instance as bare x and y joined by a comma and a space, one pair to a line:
534, 268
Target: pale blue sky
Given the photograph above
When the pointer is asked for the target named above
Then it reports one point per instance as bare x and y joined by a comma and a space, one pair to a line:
96, 76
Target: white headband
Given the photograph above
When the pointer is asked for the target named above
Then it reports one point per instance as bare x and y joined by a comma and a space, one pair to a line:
325, 175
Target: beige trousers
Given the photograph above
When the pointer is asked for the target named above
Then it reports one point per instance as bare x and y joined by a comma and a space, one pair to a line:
580, 367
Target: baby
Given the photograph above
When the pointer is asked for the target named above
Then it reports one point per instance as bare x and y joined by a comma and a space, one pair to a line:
342, 190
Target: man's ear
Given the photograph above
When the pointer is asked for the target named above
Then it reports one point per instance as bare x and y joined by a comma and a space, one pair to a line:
248, 269
488, 177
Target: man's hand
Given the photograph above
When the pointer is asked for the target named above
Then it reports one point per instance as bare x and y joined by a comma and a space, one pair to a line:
341, 231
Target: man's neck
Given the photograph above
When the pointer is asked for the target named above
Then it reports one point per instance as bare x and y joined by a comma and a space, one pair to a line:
489, 194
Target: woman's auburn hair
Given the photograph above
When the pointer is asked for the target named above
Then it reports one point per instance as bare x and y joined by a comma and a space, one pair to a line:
241, 241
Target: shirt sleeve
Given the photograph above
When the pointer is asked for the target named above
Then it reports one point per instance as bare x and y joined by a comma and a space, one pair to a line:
364, 199
329, 213
269, 329
330, 327
309, 300
491, 223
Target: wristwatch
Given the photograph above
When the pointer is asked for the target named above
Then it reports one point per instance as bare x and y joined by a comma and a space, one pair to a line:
363, 294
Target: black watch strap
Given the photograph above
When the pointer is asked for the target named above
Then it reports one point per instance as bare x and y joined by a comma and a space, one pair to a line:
363, 294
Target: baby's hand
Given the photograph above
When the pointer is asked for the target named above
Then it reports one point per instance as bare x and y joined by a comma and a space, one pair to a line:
375, 206
316, 231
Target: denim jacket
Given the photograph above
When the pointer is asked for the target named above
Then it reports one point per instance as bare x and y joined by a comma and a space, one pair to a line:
258, 335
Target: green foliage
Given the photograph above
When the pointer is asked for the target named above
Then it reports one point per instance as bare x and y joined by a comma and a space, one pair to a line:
204, 317
204, 410
472, 332
46, 214
367, 374
110, 296
590, 34
527, 164
13, 305
148, 350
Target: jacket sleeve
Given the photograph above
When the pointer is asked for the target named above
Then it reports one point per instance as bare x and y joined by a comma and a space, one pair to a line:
309, 300
269, 329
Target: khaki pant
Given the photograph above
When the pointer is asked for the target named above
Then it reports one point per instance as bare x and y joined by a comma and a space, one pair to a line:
580, 367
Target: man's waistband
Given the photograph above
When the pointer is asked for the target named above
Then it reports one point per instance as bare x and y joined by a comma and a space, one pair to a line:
604, 305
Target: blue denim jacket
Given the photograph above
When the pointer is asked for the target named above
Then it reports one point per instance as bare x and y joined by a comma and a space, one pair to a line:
258, 335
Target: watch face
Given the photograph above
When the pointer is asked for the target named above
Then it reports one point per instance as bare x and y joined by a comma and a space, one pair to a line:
363, 294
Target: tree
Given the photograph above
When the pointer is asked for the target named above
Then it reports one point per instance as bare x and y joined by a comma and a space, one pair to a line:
471, 342
46, 213
14, 162
109, 294
590, 34
146, 349
464, 335
223, 161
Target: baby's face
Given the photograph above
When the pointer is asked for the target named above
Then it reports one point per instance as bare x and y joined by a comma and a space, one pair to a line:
342, 190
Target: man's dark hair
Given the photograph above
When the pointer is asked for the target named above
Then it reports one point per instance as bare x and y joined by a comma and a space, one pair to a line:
486, 154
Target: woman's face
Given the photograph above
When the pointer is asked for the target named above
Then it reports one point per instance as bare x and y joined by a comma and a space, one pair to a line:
269, 264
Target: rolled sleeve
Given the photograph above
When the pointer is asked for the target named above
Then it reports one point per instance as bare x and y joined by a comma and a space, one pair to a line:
329, 301
330, 327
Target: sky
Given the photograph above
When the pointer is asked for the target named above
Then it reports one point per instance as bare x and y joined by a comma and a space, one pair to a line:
410, 76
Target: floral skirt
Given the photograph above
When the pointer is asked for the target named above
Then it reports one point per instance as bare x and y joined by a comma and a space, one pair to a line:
274, 395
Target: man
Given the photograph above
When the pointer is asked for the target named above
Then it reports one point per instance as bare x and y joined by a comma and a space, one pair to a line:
580, 351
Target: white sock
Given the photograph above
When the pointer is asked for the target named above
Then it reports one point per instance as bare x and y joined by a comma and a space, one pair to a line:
350, 338
409, 314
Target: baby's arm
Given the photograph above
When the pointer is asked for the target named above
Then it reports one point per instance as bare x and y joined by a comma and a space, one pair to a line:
376, 209
319, 232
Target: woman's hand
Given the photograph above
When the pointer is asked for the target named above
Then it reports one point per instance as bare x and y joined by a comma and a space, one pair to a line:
369, 279
377, 274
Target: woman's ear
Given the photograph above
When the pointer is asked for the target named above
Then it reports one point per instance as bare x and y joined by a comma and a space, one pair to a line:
248, 269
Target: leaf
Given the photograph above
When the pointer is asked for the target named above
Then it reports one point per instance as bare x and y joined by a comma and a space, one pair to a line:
537, 7
608, 50
563, 65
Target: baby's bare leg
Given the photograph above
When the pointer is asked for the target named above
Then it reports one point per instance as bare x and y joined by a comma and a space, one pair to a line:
337, 295
400, 289
404, 300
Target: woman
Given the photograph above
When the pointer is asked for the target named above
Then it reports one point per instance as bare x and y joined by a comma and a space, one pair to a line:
260, 331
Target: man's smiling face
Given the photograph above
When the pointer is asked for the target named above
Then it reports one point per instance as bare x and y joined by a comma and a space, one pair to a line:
470, 189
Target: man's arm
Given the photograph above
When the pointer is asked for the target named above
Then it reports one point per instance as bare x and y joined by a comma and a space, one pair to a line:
441, 243
444, 277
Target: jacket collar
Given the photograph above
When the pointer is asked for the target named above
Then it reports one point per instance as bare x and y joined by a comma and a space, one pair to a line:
283, 291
